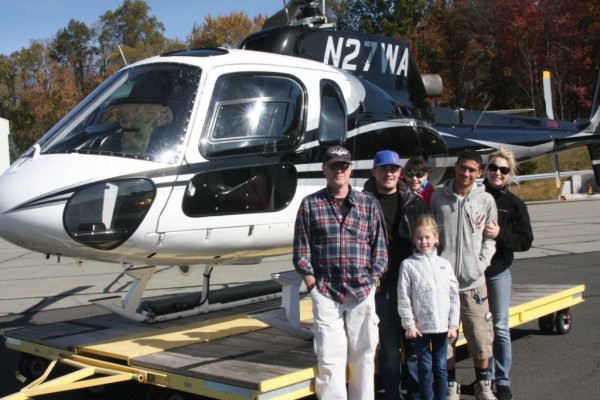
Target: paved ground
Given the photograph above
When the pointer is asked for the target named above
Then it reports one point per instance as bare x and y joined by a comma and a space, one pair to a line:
29, 282
567, 239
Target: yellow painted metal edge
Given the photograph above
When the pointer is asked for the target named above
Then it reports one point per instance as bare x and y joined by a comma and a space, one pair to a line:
72, 381
532, 314
209, 388
35, 349
143, 375
540, 301
287, 379
537, 308
291, 395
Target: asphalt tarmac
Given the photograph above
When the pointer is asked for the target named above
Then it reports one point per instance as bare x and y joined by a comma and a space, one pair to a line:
566, 250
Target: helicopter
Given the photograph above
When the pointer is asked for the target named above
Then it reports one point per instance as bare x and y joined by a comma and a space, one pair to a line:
202, 156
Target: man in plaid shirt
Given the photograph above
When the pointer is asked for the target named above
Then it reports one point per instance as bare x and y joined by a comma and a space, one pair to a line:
339, 248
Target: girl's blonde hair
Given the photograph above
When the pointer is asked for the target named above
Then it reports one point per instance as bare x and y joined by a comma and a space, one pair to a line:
509, 156
426, 221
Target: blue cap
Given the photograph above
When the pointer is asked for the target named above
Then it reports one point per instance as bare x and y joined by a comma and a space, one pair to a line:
386, 157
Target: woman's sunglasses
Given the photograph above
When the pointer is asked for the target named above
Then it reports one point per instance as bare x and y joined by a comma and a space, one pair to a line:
418, 174
503, 170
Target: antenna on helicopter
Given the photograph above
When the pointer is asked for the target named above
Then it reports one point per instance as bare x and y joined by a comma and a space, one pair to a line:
300, 13
122, 55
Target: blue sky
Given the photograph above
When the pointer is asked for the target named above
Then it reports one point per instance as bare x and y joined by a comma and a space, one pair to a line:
24, 20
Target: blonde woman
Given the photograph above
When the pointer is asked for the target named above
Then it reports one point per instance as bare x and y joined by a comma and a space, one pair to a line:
512, 232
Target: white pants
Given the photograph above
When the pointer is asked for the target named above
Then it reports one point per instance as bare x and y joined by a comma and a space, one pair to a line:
345, 334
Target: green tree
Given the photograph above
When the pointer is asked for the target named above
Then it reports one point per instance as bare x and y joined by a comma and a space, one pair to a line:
224, 31
395, 18
73, 48
130, 26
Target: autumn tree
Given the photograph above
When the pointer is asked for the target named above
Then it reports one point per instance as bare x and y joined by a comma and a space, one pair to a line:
532, 36
444, 43
224, 31
131, 27
343, 14
32, 83
73, 48
490, 53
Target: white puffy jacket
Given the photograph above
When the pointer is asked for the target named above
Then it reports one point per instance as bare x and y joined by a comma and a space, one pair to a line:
428, 293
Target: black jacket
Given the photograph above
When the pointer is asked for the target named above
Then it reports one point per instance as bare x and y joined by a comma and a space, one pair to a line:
515, 229
410, 206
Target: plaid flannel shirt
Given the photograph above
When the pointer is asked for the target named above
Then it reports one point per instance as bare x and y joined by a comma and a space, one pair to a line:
344, 254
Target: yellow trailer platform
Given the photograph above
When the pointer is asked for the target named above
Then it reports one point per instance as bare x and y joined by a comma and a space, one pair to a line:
222, 355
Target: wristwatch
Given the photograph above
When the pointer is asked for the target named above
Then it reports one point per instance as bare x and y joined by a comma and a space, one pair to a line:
377, 281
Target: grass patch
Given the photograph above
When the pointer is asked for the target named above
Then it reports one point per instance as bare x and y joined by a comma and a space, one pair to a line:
536, 190
571, 160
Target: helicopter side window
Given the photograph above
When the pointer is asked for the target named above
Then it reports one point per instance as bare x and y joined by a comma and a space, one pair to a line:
253, 113
333, 123
248, 189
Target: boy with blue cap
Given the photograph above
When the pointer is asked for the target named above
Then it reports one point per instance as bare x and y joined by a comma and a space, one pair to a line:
399, 209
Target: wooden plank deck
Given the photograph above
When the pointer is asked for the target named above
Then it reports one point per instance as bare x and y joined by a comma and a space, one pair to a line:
227, 354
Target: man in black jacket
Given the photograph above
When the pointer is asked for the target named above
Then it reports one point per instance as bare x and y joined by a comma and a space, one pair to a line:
400, 209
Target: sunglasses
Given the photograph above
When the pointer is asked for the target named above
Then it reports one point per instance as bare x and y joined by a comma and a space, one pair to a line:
418, 174
503, 170
338, 165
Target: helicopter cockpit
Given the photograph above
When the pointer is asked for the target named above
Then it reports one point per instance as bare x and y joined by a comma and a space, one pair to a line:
141, 112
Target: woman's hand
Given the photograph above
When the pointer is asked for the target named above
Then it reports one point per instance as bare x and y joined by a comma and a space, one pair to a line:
492, 230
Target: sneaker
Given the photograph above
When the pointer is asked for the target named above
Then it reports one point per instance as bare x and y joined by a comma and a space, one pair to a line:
503, 392
483, 390
453, 391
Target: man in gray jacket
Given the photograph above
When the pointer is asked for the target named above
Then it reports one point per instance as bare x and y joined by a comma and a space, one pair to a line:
463, 209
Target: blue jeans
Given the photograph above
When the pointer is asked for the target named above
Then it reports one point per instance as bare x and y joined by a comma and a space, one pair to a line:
433, 375
499, 297
391, 337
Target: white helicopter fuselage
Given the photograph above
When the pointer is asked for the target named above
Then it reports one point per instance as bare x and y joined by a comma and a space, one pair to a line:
37, 189
203, 156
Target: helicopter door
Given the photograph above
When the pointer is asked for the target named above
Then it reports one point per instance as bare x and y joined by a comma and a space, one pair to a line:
246, 176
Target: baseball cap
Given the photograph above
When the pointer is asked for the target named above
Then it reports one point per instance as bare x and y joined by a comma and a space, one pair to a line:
337, 154
386, 157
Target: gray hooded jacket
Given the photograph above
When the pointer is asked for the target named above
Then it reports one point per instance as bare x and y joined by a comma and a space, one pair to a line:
461, 238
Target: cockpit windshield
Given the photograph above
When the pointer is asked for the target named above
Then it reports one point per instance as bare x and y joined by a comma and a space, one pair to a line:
141, 112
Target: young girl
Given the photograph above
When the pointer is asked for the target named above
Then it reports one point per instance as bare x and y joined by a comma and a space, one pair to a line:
429, 307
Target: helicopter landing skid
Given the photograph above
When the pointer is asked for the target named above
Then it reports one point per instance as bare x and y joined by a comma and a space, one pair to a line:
287, 317
131, 306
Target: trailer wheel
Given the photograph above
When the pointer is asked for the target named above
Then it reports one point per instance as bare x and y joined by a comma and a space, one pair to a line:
563, 321
32, 367
546, 324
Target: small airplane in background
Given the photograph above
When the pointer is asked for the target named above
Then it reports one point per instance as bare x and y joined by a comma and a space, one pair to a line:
203, 156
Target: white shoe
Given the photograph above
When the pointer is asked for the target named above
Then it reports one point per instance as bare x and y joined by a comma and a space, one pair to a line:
483, 390
453, 391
